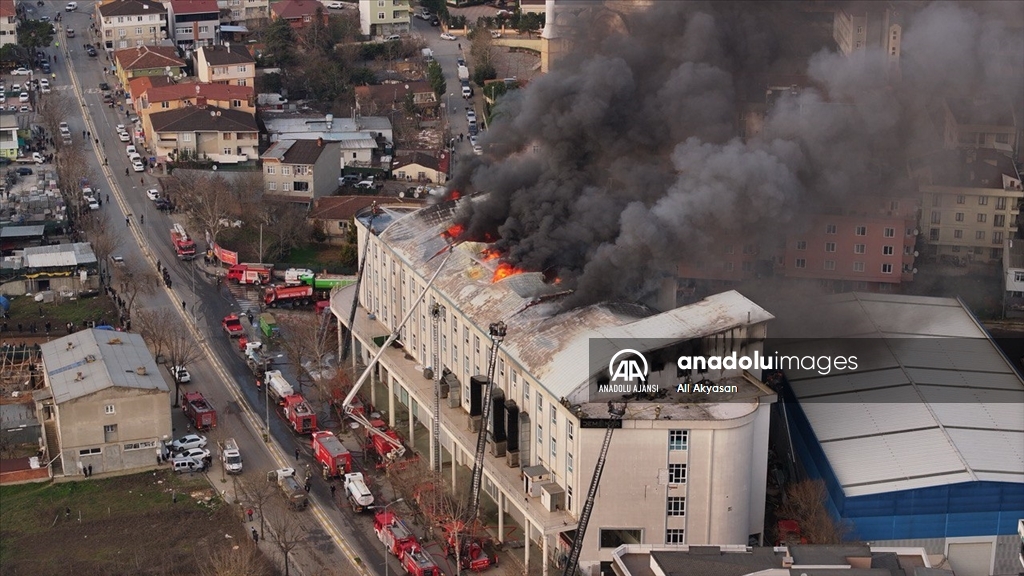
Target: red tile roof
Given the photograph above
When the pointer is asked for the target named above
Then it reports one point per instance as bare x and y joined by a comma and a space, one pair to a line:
180, 7
295, 9
139, 86
6, 8
188, 90
148, 57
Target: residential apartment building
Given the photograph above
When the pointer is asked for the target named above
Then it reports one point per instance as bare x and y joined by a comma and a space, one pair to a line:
384, 17
862, 26
194, 23
128, 23
227, 64
148, 61
298, 13
970, 199
301, 170
360, 138
243, 13
660, 486
175, 96
8, 136
380, 98
204, 132
980, 124
1013, 279
109, 400
9, 19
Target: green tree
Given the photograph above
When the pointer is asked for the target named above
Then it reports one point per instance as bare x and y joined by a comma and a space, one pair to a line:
12, 56
435, 76
281, 42
34, 34
483, 73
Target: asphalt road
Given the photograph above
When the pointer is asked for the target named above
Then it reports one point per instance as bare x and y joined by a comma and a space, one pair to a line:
222, 376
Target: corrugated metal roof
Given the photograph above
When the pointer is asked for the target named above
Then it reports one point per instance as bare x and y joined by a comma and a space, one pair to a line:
92, 360
934, 401
59, 255
553, 347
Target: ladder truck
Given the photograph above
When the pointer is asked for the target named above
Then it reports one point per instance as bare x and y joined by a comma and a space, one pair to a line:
184, 247
614, 416
347, 405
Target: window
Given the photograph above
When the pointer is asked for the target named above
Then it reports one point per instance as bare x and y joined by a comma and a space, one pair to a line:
380, 15
961, 199
540, 436
887, 251
886, 268
749, 249
936, 218
569, 431
748, 266
286, 170
108, 409
858, 266
858, 248
997, 237
959, 217
982, 200
676, 506
186, 137
226, 151
830, 229
801, 245
243, 68
110, 433
1018, 276
568, 463
982, 218
165, 104
677, 473
890, 233
958, 234
830, 264
933, 234
540, 405
526, 389
729, 266
88, 451
999, 220
615, 537
286, 186
271, 169
674, 536
678, 439
554, 414
1001, 203
554, 448
138, 31
801, 263
830, 246
979, 235
730, 249
894, 206
397, 14
862, 231
271, 186
121, 33
936, 201
302, 170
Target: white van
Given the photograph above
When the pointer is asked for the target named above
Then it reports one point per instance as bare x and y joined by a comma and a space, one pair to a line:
392, 38
186, 465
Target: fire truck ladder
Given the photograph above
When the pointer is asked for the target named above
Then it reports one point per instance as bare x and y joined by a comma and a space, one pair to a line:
346, 405
374, 209
615, 415
435, 443
497, 331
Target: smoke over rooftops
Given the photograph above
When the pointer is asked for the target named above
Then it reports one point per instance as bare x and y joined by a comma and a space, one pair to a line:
627, 157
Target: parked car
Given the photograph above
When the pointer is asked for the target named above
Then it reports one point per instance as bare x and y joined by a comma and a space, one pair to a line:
435, 21
153, 194
447, 36
23, 97
197, 454
21, 71
336, 5
495, 34
129, 150
189, 441
24, 171
163, 205
124, 137
138, 166
104, 86
180, 373
71, 32
471, 115
91, 51
93, 203
392, 38
71, 7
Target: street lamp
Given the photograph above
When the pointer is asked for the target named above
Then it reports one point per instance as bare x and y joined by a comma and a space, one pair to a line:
385, 508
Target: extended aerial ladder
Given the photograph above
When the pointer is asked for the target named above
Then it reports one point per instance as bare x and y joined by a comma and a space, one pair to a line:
346, 404
374, 210
614, 416
435, 442
497, 333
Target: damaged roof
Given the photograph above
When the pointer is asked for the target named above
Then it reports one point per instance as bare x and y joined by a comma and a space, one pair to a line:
88, 361
551, 345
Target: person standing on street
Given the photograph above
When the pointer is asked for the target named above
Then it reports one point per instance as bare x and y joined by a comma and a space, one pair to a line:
255, 536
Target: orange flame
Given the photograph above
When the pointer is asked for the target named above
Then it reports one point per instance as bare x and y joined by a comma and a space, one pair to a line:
455, 231
490, 254
455, 195
504, 271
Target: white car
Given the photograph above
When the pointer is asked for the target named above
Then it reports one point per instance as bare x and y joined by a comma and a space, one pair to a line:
23, 97
25, 108
15, 87
182, 374
38, 158
478, 150
3, 97
138, 166
447, 36
21, 72
336, 5
153, 194
392, 38
71, 7
495, 34
129, 150
121, 128
44, 83
197, 454
187, 442
124, 137
471, 115
93, 204
63, 126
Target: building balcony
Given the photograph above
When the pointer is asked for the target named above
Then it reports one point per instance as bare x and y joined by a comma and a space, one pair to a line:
409, 373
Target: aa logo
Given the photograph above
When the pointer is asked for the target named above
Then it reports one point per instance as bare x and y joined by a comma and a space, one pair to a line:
628, 365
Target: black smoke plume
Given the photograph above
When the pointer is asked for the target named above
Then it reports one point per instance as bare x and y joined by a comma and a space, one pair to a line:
627, 158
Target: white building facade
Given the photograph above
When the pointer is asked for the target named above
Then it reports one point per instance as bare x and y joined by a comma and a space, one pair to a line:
384, 17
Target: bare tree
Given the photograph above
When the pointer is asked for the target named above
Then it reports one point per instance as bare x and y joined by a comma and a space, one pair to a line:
258, 492
135, 278
104, 238
72, 171
54, 109
182, 348
480, 49
209, 199
152, 324
234, 561
284, 228
805, 503
288, 534
309, 344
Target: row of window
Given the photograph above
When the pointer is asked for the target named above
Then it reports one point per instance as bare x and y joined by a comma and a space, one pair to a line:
831, 265
1001, 201
286, 170
857, 248
286, 186
998, 220
128, 19
997, 235
862, 230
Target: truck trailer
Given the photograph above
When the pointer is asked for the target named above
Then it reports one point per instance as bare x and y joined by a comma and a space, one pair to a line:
332, 455
275, 296
184, 247
290, 487
277, 385
359, 496
250, 273
300, 416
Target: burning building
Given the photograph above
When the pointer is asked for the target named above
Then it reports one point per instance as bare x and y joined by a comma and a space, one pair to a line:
683, 468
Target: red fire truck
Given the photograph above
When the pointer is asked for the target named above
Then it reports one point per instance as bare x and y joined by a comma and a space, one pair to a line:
393, 533
233, 325
288, 296
331, 454
418, 562
198, 410
383, 443
299, 415
184, 247
250, 273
